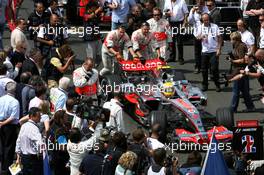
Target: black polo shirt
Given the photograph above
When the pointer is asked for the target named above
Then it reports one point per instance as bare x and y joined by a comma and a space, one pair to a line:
92, 164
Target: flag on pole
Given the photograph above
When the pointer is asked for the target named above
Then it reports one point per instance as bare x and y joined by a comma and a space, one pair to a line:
214, 163
46, 166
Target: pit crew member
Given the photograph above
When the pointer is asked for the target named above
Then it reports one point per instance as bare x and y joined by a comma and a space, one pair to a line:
161, 29
115, 43
85, 79
143, 41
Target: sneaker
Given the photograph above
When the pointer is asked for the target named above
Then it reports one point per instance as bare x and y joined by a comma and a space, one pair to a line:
181, 61
204, 88
218, 89
196, 71
249, 110
170, 60
225, 80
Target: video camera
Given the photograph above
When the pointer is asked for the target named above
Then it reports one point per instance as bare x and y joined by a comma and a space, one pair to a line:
86, 110
106, 6
169, 160
167, 16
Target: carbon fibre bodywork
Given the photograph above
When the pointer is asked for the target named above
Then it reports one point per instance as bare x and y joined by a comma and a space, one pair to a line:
186, 119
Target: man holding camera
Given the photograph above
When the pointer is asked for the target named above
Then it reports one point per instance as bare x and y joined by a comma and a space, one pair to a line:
239, 62
51, 36
116, 119
261, 37
259, 72
59, 62
94, 12
35, 21
85, 79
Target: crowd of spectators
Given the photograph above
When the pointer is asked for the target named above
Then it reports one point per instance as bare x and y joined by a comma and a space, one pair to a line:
39, 105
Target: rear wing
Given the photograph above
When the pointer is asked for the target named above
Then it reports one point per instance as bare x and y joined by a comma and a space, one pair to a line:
132, 66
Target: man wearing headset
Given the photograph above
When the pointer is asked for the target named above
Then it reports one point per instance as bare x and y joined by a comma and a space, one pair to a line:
211, 39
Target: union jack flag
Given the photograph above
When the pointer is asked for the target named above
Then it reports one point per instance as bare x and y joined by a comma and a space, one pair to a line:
249, 148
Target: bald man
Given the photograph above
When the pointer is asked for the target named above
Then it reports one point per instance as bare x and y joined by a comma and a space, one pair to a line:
18, 34
52, 35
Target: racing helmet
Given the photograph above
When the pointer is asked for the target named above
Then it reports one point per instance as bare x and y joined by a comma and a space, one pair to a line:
168, 89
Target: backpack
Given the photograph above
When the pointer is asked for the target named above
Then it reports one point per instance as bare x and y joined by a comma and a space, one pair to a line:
142, 162
111, 162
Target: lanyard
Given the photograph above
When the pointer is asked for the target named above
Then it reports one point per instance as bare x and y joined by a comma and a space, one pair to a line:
34, 124
172, 6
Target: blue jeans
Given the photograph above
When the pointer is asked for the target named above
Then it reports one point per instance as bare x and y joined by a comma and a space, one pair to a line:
2, 28
115, 25
241, 85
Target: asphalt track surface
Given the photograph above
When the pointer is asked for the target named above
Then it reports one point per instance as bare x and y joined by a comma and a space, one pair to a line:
215, 99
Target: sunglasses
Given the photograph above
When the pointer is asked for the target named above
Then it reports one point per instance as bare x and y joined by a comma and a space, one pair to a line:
156, 14
209, 5
261, 20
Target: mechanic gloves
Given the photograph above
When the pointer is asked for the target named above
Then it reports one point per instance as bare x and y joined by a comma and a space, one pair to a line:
161, 59
89, 74
142, 60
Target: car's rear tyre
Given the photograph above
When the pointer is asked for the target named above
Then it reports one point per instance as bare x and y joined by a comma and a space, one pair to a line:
161, 118
225, 117
109, 84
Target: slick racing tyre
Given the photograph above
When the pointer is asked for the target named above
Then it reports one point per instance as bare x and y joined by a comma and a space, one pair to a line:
161, 118
225, 117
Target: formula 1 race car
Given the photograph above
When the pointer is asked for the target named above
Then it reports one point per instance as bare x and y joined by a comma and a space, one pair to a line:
157, 93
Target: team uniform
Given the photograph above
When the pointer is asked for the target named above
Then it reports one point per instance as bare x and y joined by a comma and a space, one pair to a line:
86, 86
118, 43
144, 43
162, 34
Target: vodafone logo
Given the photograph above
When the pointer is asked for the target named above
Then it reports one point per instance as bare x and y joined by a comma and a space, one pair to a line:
139, 66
